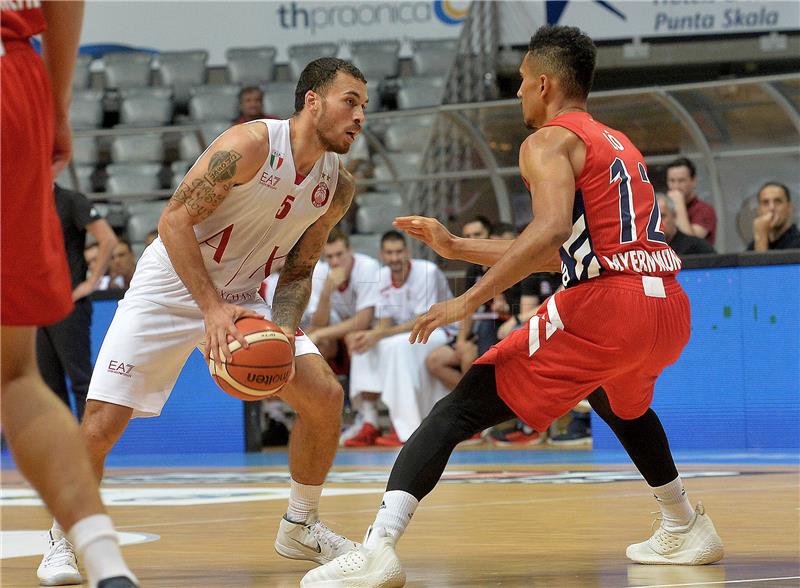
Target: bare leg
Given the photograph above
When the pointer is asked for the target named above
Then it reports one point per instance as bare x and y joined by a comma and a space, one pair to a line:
443, 364
102, 426
317, 398
43, 435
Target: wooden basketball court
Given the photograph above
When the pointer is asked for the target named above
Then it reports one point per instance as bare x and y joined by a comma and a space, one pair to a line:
499, 523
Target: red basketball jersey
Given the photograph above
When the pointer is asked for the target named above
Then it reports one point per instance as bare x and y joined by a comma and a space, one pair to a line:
21, 19
616, 223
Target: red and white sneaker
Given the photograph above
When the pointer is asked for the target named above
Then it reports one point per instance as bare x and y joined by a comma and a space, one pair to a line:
365, 437
390, 439
520, 436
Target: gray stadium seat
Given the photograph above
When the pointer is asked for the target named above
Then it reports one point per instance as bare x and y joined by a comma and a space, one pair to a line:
132, 178
143, 218
213, 129
433, 56
420, 92
250, 65
371, 199
182, 70
214, 103
148, 107
189, 146
376, 59
406, 136
84, 150
84, 173
82, 75
137, 148
86, 110
368, 244
302, 55
374, 91
378, 218
279, 99
179, 169
127, 69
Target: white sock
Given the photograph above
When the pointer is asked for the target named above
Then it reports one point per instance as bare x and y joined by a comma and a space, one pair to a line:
96, 542
369, 412
676, 510
395, 513
57, 530
303, 500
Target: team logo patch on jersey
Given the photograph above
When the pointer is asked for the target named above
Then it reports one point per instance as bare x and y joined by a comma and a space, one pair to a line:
276, 160
319, 197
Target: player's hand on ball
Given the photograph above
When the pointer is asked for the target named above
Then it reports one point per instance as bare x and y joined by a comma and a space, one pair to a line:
219, 322
428, 230
439, 315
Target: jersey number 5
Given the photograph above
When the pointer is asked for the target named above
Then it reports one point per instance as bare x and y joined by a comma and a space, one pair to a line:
286, 206
627, 215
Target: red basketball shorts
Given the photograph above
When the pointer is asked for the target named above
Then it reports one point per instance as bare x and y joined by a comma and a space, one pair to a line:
36, 285
615, 331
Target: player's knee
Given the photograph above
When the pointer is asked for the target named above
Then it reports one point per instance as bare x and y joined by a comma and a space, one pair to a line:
331, 397
99, 438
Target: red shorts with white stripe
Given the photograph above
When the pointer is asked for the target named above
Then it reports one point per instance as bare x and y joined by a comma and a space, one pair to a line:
33, 264
616, 331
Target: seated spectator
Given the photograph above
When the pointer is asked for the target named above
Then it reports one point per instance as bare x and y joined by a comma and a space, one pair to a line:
123, 264
680, 242
693, 216
774, 227
251, 105
347, 283
383, 364
449, 362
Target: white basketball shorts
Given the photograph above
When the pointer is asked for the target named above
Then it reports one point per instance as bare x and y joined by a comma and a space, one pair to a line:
155, 328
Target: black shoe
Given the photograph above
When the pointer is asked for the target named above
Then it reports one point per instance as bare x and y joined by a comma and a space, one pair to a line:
275, 435
117, 582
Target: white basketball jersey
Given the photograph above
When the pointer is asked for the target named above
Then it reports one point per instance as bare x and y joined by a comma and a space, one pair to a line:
261, 221
359, 292
425, 286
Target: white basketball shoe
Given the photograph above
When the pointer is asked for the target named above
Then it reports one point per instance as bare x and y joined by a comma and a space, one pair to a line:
696, 544
59, 565
376, 566
312, 541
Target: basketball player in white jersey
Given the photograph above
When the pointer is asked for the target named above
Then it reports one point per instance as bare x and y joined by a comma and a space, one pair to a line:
261, 191
383, 364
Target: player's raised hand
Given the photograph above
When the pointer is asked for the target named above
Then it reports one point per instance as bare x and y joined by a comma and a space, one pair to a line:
220, 323
439, 315
428, 230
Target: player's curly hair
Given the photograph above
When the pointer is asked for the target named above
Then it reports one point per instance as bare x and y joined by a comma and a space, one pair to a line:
319, 74
567, 53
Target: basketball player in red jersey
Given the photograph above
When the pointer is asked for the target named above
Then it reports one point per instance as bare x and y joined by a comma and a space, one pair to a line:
42, 434
622, 318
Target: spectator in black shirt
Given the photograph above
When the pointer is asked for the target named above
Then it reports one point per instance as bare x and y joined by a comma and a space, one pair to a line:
774, 227
62, 349
680, 242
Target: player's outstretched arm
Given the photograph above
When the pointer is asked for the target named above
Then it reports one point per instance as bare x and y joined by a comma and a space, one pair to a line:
294, 285
233, 158
545, 160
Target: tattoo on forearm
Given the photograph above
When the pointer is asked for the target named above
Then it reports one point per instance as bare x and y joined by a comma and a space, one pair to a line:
207, 193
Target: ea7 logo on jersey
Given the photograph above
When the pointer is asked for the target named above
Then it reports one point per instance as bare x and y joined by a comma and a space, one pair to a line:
269, 180
121, 368
319, 197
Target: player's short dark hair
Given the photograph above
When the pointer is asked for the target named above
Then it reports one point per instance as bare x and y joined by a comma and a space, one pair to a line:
338, 234
499, 229
479, 218
569, 54
392, 235
683, 162
783, 187
248, 89
319, 74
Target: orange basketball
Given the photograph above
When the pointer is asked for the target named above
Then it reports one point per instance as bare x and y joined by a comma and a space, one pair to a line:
260, 370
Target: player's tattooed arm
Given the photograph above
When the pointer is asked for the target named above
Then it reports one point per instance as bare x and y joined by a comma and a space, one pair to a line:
294, 285
201, 195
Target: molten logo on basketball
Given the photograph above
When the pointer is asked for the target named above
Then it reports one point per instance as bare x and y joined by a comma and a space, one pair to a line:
267, 379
